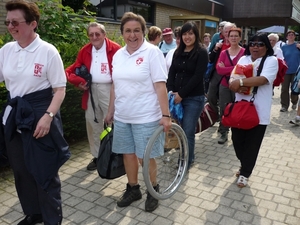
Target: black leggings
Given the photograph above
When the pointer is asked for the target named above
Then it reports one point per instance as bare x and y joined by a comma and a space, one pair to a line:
246, 145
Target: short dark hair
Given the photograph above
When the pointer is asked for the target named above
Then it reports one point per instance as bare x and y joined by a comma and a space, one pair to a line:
177, 31
290, 31
235, 29
30, 10
206, 35
130, 16
186, 28
154, 32
263, 37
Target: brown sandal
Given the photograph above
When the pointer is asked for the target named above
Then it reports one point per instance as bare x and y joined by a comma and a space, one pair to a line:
238, 173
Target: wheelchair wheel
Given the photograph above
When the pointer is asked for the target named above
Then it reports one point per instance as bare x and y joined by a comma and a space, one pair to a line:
171, 165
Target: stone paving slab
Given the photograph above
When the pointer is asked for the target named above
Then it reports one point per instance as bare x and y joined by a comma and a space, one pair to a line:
208, 196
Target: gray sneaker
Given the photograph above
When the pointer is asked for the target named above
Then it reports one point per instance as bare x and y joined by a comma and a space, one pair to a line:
295, 122
294, 106
283, 109
223, 138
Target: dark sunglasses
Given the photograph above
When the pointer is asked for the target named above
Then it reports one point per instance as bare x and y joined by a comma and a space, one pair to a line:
14, 23
92, 35
257, 44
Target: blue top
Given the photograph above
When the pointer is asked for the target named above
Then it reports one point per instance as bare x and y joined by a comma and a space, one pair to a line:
214, 40
291, 55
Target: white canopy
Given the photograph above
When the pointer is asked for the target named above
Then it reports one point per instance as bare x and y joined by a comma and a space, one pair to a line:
273, 29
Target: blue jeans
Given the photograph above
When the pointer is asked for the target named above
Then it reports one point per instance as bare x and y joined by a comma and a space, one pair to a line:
192, 108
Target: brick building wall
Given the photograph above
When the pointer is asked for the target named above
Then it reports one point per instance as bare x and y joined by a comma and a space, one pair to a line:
163, 13
162, 18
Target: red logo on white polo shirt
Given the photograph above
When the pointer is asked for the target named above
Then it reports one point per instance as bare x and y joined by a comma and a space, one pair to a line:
139, 61
38, 70
104, 68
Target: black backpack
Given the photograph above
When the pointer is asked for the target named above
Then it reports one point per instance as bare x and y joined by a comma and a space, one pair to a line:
109, 165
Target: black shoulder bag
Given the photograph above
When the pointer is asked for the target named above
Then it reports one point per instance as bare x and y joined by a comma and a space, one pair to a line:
110, 165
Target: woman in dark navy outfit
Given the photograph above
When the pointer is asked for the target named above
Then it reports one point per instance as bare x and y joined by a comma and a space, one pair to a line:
30, 123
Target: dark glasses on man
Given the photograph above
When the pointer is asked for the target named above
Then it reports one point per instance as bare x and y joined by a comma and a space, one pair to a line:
94, 34
14, 23
257, 44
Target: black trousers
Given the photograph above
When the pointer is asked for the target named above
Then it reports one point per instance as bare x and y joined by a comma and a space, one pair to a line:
213, 92
34, 199
246, 144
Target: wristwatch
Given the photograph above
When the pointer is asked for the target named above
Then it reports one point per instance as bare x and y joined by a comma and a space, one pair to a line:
50, 114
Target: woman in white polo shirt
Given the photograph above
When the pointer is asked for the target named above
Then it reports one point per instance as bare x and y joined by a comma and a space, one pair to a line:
138, 104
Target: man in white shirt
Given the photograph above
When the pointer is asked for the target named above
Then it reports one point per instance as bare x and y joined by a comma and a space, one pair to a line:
96, 56
273, 38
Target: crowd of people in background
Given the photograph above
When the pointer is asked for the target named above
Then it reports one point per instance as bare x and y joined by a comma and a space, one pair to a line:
227, 49
129, 87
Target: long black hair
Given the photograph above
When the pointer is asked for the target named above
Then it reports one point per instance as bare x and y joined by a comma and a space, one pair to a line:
263, 38
185, 28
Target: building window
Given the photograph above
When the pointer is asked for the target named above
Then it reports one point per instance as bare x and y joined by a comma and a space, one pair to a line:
176, 23
210, 27
116, 8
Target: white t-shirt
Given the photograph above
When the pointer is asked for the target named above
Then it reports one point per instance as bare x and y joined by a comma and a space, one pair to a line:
34, 68
99, 66
280, 43
278, 52
134, 76
263, 98
169, 58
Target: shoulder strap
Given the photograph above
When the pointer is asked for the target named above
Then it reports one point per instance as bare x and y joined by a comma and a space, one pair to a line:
160, 44
227, 52
258, 73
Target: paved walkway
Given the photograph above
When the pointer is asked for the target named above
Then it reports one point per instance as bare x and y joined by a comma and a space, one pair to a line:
209, 196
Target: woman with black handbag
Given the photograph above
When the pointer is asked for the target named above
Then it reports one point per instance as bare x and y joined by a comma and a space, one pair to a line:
138, 105
247, 142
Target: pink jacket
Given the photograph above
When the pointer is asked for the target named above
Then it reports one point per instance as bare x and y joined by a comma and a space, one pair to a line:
226, 71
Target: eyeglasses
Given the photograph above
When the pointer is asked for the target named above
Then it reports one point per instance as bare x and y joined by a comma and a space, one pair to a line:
91, 35
13, 23
257, 44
